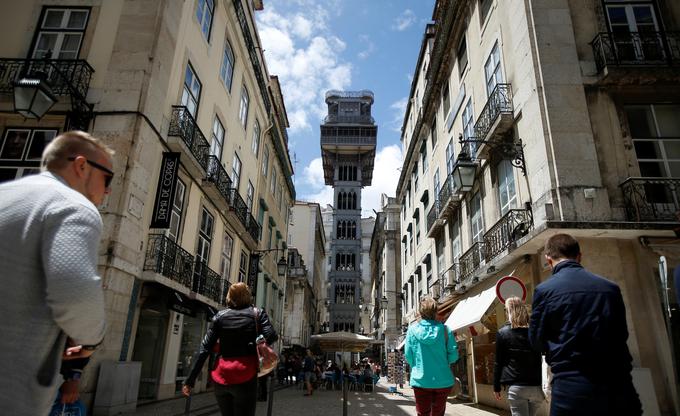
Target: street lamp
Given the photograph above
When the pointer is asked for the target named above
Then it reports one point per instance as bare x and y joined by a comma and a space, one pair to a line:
463, 173
383, 302
33, 96
281, 266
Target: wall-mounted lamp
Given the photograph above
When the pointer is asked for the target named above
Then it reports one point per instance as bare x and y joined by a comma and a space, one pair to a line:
33, 96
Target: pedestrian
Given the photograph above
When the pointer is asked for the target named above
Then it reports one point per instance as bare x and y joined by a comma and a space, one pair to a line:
52, 300
430, 349
517, 365
235, 375
578, 320
308, 366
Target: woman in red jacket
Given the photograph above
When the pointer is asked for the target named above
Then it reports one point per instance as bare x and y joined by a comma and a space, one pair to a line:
235, 375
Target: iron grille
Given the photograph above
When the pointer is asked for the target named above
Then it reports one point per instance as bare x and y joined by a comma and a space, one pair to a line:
470, 261
512, 226
218, 176
167, 258
207, 282
499, 102
183, 125
651, 199
65, 76
239, 206
636, 49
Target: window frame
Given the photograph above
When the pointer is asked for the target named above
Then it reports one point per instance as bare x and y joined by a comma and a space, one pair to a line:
236, 166
244, 106
41, 29
227, 67
226, 255
189, 90
215, 139
23, 165
201, 19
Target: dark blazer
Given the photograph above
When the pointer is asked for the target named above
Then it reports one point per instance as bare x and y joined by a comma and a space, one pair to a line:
235, 330
516, 364
579, 320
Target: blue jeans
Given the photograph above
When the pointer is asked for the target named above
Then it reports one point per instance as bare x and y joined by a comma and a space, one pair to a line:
525, 400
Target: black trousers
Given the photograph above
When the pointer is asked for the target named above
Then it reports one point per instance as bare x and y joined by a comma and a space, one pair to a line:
578, 396
237, 399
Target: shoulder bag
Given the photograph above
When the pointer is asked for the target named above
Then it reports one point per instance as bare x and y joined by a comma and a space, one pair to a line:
265, 354
457, 388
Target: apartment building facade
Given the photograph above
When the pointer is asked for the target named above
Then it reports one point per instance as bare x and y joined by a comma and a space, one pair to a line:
181, 91
526, 120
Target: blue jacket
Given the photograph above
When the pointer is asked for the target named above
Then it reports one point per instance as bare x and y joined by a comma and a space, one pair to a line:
579, 320
427, 353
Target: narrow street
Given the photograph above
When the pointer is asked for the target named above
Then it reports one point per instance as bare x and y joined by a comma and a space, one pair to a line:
289, 401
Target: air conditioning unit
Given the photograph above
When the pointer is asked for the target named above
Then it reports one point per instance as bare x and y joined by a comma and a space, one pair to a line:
450, 276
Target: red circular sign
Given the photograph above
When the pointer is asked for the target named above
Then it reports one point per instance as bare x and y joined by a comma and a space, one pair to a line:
509, 286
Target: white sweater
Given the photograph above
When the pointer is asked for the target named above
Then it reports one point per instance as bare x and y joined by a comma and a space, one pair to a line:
49, 238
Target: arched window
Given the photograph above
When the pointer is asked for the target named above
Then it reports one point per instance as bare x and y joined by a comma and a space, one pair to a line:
354, 200
353, 230
337, 262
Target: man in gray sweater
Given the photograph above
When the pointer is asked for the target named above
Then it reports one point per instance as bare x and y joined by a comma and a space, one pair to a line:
52, 300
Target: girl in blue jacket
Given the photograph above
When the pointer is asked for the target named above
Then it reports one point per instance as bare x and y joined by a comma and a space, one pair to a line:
430, 349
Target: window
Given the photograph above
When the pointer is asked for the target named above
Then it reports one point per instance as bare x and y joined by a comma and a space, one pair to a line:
484, 7
461, 54
449, 157
250, 193
61, 33
191, 93
456, 246
204, 237
243, 109
446, 100
256, 138
433, 132
469, 129
423, 156
654, 129
225, 262
269, 243
436, 185
476, 220
265, 162
439, 248
176, 213
507, 193
634, 28
205, 10
260, 216
272, 184
417, 229
236, 171
227, 68
217, 139
21, 151
414, 177
492, 70
243, 267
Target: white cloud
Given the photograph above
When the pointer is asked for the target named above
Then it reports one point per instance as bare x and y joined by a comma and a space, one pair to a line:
399, 109
404, 20
369, 47
306, 57
388, 162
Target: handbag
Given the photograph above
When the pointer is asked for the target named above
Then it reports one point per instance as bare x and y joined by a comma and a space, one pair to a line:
457, 388
267, 357
76, 408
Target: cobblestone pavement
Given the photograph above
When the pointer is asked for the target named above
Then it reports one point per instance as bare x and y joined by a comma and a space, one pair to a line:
290, 401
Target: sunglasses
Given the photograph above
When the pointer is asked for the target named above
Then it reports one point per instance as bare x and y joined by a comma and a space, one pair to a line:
107, 179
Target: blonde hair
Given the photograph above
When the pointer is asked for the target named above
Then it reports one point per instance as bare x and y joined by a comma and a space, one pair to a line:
428, 308
239, 296
517, 312
69, 144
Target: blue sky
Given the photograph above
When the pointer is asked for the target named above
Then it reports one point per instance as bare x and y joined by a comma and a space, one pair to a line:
317, 45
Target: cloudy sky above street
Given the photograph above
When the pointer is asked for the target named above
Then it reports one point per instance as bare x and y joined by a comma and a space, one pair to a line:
317, 45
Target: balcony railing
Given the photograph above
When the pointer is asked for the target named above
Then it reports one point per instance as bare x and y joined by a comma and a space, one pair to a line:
207, 282
471, 260
253, 227
651, 199
65, 76
238, 206
512, 226
432, 215
361, 119
636, 49
499, 103
217, 175
167, 258
183, 125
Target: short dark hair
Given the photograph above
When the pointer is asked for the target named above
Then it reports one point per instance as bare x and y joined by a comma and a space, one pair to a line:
562, 246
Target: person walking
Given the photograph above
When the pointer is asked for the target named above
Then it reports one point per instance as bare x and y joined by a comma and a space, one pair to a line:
235, 375
517, 365
309, 366
430, 349
52, 299
578, 320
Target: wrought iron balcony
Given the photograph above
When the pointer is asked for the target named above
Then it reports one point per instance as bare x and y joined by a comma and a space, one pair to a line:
207, 282
512, 226
253, 227
252, 53
636, 49
448, 199
193, 142
226, 284
167, 258
651, 199
65, 76
239, 207
496, 116
218, 178
471, 260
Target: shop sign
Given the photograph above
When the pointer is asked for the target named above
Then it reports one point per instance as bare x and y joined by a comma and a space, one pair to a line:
181, 303
253, 270
167, 180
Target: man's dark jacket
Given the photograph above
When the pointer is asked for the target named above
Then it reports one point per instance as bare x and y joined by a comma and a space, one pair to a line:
516, 364
578, 320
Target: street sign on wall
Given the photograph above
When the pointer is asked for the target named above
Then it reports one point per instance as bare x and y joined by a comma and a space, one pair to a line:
510, 286
167, 180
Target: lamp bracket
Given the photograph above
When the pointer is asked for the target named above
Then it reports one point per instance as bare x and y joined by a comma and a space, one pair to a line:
512, 151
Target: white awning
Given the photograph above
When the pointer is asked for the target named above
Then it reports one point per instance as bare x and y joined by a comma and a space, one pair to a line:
470, 311
401, 344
